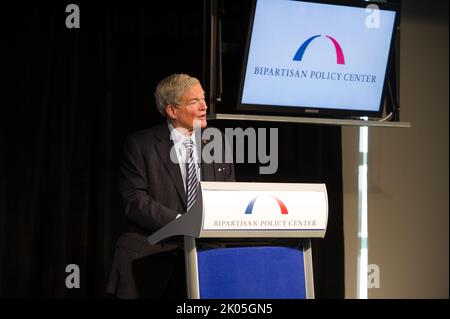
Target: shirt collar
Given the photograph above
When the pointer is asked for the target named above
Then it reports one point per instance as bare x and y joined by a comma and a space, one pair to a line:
179, 137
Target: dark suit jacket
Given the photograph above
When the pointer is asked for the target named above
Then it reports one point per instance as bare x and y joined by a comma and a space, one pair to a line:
153, 195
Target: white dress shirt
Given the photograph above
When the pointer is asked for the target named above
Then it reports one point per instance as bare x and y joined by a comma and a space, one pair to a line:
178, 137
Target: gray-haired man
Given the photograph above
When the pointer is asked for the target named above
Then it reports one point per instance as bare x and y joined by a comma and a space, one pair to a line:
155, 190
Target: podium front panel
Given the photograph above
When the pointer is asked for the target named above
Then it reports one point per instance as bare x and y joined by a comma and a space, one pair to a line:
252, 272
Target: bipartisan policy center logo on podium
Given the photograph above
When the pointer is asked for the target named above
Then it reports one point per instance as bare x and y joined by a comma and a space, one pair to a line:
250, 205
264, 210
340, 59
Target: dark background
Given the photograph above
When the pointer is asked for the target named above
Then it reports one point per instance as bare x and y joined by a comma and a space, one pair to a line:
72, 96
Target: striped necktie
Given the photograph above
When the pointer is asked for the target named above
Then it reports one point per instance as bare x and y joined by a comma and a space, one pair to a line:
191, 174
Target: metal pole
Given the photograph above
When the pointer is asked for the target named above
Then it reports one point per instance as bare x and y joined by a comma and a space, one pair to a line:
362, 213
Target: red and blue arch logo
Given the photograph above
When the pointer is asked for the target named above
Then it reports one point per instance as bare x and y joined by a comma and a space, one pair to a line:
340, 59
250, 205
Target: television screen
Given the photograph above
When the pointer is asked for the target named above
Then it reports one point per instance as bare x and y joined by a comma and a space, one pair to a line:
317, 58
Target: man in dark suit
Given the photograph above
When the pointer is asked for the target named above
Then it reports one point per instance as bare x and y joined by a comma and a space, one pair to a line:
155, 191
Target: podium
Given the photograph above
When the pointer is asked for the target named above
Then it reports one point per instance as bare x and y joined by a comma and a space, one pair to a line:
250, 240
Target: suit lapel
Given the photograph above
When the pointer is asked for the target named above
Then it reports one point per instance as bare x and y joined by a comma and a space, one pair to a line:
163, 146
208, 169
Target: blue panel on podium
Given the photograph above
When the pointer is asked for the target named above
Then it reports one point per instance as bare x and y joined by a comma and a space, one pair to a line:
251, 272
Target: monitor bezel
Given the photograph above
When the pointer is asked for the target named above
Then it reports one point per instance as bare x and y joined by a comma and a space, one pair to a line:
304, 111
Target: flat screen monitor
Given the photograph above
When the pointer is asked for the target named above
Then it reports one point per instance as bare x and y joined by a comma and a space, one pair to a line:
317, 58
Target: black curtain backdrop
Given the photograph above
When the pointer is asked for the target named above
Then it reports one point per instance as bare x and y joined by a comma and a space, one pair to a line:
71, 98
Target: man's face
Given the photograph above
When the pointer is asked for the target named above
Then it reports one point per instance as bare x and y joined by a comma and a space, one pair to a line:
193, 107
